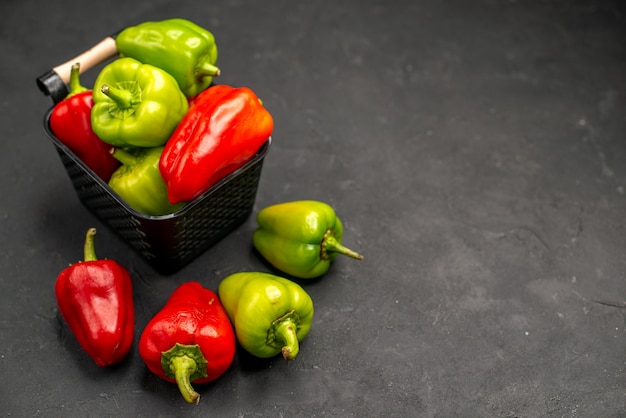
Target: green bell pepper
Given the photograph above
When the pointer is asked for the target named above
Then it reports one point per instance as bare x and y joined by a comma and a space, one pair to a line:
270, 314
300, 238
136, 105
182, 48
139, 182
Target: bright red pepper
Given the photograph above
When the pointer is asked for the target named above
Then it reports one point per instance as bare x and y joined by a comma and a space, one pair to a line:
190, 339
95, 298
222, 130
70, 121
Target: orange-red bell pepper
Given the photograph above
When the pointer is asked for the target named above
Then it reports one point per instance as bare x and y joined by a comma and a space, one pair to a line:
189, 340
95, 298
223, 129
70, 122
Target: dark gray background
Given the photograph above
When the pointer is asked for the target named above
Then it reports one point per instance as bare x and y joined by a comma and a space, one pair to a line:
475, 152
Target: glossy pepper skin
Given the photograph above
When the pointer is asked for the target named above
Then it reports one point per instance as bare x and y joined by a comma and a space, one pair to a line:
95, 298
70, 121
301, 238
224, 128
135, 104
271, 315
184, 49
139, 182
189, 340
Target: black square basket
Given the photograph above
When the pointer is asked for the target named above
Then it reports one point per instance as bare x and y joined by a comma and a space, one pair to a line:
168, 242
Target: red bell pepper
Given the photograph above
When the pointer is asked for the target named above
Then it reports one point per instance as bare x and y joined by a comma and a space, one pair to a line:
190, 339
222, 130
70, 122
95, 298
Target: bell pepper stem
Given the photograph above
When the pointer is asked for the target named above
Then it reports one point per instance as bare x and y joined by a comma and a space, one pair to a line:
330, 244
284, 332
75, 86
183, 368
205, 68
124, 157
89, 247
185, 363
125, 98
120, 97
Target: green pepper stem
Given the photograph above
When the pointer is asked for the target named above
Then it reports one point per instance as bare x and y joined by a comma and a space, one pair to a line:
124, 157
285, 333
185, 363
205, 68
331, 244
183, 367
75, 86
124, 99
89, 247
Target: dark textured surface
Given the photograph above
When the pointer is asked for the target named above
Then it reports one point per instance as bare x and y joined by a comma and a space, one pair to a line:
475, 151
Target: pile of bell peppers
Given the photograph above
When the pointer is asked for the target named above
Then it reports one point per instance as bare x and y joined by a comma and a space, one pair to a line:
154, 126
157, 130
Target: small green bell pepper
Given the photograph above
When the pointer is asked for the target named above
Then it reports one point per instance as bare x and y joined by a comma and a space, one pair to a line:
139, 182
136, 105
270, 314
182, 48
300, 238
